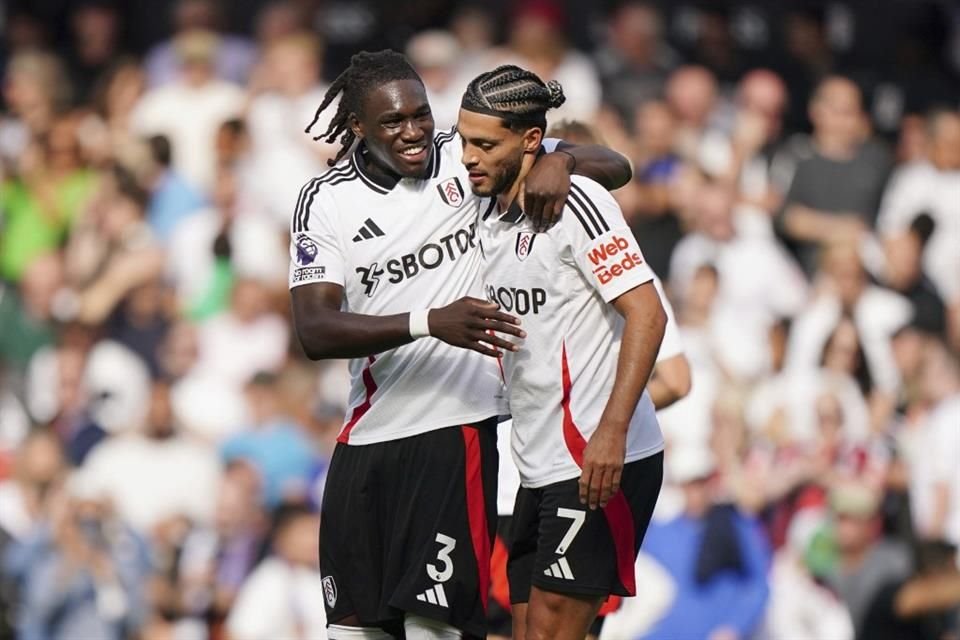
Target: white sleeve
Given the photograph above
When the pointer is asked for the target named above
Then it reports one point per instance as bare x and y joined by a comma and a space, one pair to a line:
672, 344
603, 245
315, 250
550, 144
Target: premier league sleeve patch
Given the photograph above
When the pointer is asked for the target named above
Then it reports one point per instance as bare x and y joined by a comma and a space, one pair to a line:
451, 191
306, 250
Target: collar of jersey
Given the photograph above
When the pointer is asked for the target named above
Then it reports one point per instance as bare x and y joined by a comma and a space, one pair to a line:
381, 182
513, 214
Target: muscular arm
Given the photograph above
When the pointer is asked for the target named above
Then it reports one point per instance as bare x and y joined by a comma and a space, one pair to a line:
604, 455
326, 332
645, 323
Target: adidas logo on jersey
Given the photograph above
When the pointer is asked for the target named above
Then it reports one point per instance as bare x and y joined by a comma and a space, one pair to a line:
368, 231
434, 595
559, 569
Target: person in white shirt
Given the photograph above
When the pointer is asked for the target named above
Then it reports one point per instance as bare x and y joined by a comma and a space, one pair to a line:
931, 187
282, 156
585, 437
155, 475
279, 599
383, 254
190, 111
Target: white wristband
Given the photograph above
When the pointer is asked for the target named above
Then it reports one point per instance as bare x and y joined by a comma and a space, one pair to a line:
419, 324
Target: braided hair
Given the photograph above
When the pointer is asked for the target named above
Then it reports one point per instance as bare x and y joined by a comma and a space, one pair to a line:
367, 70
518, 96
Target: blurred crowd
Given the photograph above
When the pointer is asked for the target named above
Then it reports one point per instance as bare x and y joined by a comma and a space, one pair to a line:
163, 440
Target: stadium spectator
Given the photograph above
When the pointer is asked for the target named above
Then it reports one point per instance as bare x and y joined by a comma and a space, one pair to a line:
283, 157
276, 446
634, 61
232, 56
836, 189
280, 598
153, 475
83, 571
858, 561
172, 198
197, 91
716, 556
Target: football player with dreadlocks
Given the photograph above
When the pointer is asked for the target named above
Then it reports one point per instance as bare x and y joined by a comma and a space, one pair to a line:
385, 270
584, 436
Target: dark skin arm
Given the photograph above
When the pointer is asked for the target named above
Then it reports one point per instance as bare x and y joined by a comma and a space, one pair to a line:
327, 332
550, 177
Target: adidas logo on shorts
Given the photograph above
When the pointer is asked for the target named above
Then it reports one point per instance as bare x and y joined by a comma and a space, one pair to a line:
368, 230
434, 595
559, 569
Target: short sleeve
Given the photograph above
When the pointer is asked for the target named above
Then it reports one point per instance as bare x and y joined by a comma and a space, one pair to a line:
550, 144
315, 253
603, 245
672, 344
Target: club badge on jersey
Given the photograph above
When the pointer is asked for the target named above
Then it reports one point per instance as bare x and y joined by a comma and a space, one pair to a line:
525, 244
451, 191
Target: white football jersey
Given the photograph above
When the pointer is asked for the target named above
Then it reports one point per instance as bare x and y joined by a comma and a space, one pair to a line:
560, 283
397, 246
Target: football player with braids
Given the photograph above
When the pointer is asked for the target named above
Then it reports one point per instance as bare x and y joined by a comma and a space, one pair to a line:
385, 270
585, 437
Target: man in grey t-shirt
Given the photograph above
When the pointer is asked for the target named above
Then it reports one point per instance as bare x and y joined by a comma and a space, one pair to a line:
836, 190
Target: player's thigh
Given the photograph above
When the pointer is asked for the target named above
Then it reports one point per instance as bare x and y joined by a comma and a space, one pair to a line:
520, 621
560, 616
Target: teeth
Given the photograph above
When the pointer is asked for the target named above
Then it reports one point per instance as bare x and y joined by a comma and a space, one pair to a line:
412, 152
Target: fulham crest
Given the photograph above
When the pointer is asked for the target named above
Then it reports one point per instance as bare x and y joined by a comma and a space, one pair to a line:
525, 244
330, 591
451, 191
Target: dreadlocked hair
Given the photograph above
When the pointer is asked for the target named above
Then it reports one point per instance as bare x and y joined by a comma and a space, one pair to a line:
367, 70
520, 96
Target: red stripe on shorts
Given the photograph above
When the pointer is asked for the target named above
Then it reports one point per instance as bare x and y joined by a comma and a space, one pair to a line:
359, 410
477, 510
620, 521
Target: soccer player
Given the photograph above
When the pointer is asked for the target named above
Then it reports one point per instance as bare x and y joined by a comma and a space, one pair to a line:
585, 436
385, 270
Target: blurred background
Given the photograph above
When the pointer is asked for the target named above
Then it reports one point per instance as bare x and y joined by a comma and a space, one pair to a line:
163, 440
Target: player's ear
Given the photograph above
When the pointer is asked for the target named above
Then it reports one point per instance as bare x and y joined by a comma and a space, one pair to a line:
532, 138
355, 125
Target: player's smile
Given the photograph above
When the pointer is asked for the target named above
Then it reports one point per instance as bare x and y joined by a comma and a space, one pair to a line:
397, 127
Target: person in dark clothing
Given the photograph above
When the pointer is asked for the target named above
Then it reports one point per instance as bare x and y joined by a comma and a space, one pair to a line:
922, 607
904, 273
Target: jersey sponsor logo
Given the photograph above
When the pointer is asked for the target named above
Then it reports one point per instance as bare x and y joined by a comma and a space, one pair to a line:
612, 258
519, 301
305, 274
525, 244
306, 249
451, 191
426, 258
368, 230
330, 591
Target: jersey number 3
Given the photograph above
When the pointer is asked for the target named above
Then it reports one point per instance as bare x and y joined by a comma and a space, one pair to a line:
443, 557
